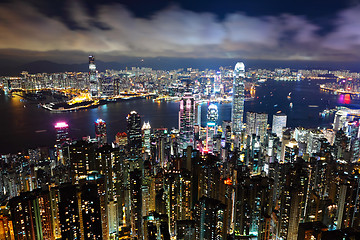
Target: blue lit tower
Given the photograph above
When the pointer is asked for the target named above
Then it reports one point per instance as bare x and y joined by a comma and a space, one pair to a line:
237, 112
93, 78
100, 131
186, 121
212, 117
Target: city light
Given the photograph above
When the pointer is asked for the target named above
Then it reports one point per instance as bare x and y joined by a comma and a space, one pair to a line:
61, 125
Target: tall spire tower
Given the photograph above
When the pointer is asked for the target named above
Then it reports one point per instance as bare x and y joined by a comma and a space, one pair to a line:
237, 112
93, 78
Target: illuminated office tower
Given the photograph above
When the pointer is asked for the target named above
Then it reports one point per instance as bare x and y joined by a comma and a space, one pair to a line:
212, 117
62, 136
146, 128
93, 78
250, 123
256, 123
237, 111
198, 114
62, 132
134, 136
121, 139
106, 158
217, 82
353, 132
261, 125
313, 141
107, 87
100, 131
186, 121
278, 124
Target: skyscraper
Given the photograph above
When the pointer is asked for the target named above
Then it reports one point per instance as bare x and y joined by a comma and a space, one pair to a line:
62, 132
237, 112
146, 128
62, 136
279, 122
134, 135
100, 131
93, 79
186, 121
217, 82
256, 123
212, 117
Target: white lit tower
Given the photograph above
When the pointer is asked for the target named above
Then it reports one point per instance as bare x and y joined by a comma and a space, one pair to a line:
278, 124
237, 113
146, 128
93, 78
212, 118
100, 131
217, 82
186, 121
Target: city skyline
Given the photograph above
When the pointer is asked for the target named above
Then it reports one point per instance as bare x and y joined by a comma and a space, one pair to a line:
181, 120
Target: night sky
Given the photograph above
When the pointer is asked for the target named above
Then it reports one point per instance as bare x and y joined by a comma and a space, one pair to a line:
66, 31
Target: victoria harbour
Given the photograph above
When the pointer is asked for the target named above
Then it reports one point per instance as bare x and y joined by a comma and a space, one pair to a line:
28, 125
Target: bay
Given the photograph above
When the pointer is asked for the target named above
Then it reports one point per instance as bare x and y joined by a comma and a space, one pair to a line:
31, 126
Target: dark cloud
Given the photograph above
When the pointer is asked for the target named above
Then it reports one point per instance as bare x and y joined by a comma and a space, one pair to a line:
113, 30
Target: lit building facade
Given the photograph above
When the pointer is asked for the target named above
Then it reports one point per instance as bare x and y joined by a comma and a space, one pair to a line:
237, 111
186, 121
278, 124
93, 78
134, 135
211, 126
100, 131
146, 128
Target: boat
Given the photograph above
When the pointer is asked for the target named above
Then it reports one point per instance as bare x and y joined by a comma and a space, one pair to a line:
291, 105
289, 96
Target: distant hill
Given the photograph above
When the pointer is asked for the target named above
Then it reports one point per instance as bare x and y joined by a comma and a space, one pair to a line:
13, 68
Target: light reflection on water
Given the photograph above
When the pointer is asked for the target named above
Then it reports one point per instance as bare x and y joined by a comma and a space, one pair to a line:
23, 127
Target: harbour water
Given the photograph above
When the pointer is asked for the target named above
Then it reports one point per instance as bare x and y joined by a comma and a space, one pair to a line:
25, 125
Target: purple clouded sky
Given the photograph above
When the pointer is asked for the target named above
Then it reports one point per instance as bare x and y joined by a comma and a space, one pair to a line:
174, 31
